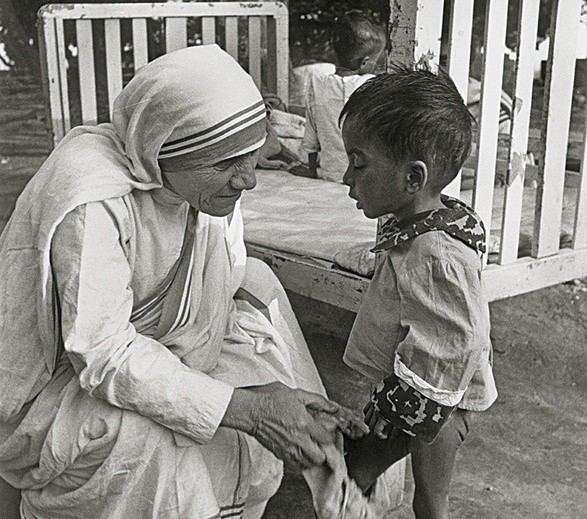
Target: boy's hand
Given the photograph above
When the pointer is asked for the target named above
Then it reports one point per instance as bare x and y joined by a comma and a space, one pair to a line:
350, 423
376, 423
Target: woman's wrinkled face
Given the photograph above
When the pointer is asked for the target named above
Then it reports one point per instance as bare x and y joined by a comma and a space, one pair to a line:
213, 189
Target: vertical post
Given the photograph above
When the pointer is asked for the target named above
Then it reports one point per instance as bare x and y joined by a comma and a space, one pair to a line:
557, 111
459, 55
48, 35
580, 233
87, 73
514, 191
493, 53
415, 31
114, 61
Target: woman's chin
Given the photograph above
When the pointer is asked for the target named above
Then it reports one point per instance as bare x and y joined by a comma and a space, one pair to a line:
218, 210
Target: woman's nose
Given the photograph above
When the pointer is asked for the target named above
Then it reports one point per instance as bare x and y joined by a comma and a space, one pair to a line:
244, 180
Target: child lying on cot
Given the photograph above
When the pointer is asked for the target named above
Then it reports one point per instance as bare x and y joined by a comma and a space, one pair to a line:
422, 333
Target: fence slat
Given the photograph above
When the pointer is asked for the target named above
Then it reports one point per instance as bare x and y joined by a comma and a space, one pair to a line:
231, 36
459, 54
272, 57
557, 111
495, 30
522, 102
87, 81
255, 49
114, 61
208, 30
282, 57
580, 232
139, 42
52, 83
176, 34
139, 14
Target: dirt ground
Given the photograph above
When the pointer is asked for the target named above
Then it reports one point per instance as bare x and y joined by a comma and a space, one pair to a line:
526, 457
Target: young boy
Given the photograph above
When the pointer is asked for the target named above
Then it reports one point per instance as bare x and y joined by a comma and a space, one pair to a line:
358, 43
422, 333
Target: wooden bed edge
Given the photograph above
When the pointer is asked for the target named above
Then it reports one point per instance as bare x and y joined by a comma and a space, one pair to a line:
305, 276
331, 285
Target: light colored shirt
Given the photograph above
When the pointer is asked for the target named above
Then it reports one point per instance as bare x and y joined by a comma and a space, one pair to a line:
129, 245
425, 318
325, 98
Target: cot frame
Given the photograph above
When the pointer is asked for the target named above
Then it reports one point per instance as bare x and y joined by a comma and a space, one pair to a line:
415, 37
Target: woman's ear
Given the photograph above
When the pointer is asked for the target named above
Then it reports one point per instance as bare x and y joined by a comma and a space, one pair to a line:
417, 176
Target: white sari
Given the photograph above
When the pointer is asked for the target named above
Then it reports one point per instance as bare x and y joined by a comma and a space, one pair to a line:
108, 410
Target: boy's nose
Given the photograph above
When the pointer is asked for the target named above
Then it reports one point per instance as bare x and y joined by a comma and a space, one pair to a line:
347, 177
244, 180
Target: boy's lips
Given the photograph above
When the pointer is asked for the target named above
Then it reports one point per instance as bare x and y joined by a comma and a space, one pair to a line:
356, 200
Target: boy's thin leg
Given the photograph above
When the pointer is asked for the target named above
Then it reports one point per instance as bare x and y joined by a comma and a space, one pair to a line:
432, 466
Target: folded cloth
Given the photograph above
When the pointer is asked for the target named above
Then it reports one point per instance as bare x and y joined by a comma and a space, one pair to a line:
337, 496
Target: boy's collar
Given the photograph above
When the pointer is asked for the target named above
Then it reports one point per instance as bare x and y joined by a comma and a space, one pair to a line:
457, 219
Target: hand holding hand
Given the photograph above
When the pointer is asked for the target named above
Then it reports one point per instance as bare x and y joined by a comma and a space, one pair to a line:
285, 422
292, 423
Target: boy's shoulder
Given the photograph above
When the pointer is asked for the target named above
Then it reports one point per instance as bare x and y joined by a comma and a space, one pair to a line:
431, 247
454, 233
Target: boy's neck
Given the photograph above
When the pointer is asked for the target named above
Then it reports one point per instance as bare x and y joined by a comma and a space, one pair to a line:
420, 204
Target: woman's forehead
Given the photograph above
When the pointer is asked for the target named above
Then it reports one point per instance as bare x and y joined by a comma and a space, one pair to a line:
186, 161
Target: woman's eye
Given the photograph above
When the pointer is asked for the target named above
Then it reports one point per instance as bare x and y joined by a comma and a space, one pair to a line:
222, 166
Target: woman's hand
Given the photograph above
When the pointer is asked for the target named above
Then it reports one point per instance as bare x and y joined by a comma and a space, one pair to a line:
292, 423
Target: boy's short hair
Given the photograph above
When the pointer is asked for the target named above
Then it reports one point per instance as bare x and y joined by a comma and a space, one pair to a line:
355, 36
416, 115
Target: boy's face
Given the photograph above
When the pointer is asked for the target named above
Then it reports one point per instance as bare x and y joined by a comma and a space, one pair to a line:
376, 181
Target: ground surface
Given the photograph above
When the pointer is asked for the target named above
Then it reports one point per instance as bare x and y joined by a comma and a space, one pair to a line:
525, 458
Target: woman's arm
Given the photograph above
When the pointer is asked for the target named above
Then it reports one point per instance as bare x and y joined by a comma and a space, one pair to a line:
132, 371
112, 360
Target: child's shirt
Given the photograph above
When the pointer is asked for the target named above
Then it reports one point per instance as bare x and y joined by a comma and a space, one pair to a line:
425, 317
325, 98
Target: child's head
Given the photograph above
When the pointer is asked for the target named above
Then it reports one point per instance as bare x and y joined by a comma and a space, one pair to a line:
357, 41
410, 119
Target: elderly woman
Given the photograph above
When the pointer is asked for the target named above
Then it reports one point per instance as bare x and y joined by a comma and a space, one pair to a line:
146, 369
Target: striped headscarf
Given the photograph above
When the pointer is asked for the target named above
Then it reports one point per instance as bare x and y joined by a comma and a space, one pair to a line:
196, 99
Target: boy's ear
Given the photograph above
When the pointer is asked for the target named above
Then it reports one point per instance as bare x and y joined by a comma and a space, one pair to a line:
417, 176
365, 65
